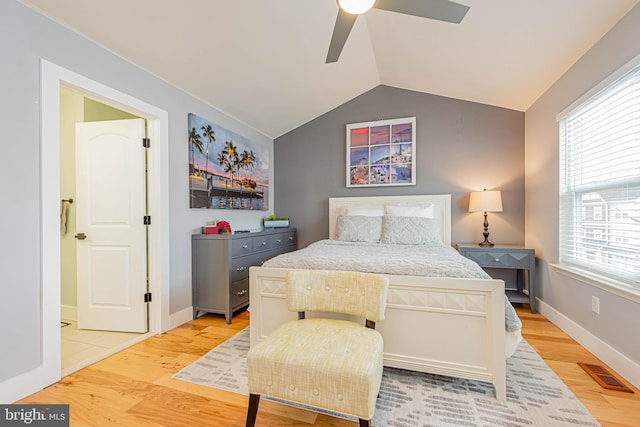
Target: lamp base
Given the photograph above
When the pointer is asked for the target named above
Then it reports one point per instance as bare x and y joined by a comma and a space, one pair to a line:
486, 243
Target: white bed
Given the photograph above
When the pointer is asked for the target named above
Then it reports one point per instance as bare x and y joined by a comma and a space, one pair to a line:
443, 325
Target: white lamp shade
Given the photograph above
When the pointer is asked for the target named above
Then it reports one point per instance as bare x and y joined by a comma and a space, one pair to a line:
356, 7
485, 201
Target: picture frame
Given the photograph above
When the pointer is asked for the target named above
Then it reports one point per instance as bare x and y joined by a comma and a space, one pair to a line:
226, 170
381, 153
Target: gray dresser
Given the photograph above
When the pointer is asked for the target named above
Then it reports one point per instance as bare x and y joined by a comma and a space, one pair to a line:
220, 266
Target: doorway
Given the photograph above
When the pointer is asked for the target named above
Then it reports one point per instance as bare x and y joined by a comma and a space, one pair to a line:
103, 202
53, 78
102, 185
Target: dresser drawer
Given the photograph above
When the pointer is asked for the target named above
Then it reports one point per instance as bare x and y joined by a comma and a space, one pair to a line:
266, 256
282, 240
261, 243
273, 241
241, 247
240, 266
239, 293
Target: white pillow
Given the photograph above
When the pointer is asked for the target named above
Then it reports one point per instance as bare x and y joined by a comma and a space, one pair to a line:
424, 211
406, 230
352, 228
364, 211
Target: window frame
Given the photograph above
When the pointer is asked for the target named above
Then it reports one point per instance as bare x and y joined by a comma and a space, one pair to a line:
625, 287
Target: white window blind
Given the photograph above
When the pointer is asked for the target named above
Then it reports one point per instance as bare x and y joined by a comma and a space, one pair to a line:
600, 183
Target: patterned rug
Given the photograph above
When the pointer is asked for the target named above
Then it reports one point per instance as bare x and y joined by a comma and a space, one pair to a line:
535, 394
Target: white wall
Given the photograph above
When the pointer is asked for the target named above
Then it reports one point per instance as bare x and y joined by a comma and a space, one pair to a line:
612, 334
25, 38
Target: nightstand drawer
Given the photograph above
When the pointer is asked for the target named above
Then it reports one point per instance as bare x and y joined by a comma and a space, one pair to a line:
501, 259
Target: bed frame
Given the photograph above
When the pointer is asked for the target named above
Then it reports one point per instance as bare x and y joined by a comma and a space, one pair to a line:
445, 326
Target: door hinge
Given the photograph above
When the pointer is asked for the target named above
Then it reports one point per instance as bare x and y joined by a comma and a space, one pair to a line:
146, 142
146, 220
147, 297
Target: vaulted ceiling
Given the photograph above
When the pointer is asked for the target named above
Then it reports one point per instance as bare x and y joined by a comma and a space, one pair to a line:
263, 61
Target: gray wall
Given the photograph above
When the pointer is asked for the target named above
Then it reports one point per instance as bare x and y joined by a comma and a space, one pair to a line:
461, 146
618, 319
25, 38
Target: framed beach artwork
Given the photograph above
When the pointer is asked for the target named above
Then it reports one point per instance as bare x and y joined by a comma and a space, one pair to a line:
381, 153
226, 170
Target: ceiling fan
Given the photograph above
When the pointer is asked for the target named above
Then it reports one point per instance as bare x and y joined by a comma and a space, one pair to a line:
441, 10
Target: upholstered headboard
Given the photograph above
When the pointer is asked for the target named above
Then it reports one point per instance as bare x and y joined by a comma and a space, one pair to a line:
440, 202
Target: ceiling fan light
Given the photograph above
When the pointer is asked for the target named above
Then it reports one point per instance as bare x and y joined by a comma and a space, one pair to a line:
356, 7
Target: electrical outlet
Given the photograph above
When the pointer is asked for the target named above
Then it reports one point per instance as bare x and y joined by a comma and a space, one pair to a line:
595, 305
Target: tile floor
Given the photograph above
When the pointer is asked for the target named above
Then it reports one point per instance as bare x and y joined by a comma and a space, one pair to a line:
82, 347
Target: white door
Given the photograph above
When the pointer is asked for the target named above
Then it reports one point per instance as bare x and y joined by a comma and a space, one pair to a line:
111, 245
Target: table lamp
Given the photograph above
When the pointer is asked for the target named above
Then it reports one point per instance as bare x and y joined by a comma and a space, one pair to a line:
485, 201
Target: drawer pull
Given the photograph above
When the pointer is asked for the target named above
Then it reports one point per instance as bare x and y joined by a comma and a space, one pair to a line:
242, 292
245, 246
279, 241
290, 237
241, 268
263, 243
497, 259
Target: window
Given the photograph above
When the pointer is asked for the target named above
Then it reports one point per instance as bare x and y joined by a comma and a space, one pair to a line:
600, 182
597, 213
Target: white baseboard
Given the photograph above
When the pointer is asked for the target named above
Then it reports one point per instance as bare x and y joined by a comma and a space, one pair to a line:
69, 312
18, 387
181, 317
624, 366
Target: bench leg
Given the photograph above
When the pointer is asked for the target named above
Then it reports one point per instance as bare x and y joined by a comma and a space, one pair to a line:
252, 411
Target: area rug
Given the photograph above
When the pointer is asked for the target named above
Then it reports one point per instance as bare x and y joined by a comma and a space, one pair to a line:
535, 394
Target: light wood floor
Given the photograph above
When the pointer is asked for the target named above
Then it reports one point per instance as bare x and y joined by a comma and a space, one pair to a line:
135, 388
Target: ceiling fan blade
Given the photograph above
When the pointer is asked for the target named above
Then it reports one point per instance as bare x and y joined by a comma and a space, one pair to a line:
441, 10
344, 23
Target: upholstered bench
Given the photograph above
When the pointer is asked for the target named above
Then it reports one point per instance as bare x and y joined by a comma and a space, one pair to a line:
331, 364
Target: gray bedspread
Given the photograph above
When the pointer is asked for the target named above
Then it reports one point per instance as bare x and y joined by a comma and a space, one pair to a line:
431, 260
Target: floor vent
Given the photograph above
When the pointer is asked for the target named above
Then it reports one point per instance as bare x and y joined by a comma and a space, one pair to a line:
605, 378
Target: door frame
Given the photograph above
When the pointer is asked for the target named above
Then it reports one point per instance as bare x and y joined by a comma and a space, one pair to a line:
52, 78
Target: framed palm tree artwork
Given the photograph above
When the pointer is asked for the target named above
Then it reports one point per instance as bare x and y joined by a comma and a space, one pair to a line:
381, 153
226, 170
